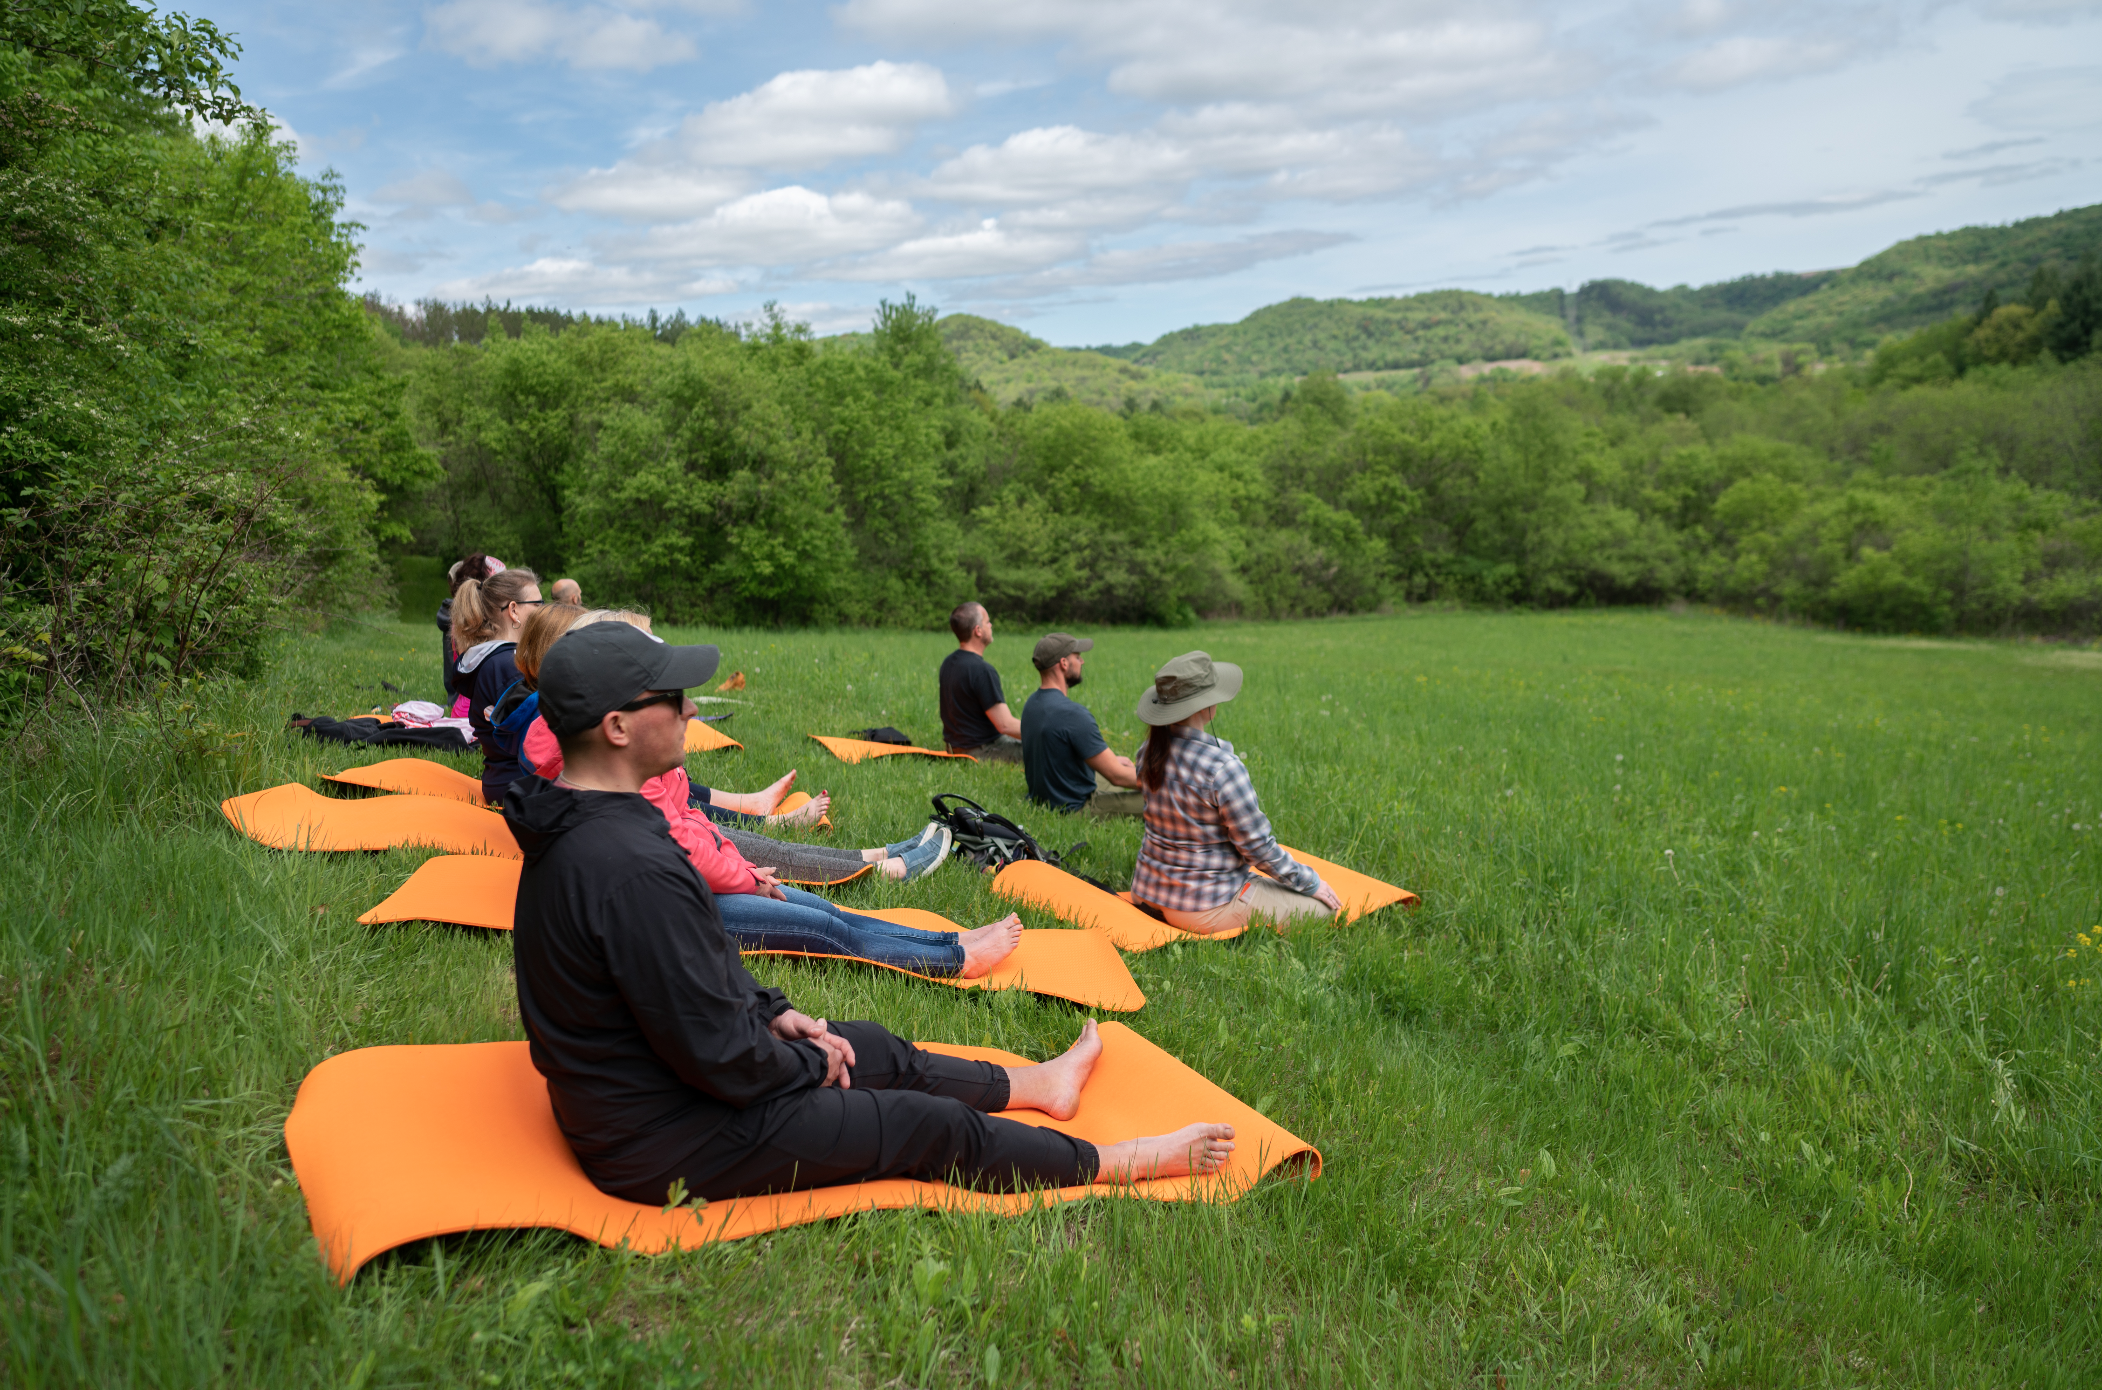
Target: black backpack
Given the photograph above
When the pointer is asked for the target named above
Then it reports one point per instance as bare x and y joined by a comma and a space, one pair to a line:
992, 841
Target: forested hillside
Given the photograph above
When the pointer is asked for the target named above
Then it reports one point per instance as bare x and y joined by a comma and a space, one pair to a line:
1013, 366
1833, 312
1356, 335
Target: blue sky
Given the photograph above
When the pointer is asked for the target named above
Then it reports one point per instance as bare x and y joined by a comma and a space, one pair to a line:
1099, 172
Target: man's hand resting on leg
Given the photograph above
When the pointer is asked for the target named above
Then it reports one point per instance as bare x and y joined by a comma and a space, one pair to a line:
792, 1025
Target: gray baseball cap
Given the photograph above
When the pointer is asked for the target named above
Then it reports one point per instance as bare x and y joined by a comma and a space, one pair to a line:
1055, 645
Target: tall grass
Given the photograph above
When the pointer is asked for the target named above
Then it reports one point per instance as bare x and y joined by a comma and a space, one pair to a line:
1747, 1035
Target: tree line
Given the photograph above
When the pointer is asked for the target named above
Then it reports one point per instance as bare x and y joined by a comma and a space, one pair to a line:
207, 438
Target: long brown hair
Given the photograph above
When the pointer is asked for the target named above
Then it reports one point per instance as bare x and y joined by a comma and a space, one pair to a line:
477, 602
549, 621
1153, 758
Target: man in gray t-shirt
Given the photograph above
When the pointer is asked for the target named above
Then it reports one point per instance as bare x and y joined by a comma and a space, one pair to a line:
1064, 757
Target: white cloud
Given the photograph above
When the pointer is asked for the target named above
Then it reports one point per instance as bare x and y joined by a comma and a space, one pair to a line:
987, 249
2054, 99
564, 280
784, 226
1058, 165
795, 120
804, 120
1186, 260
488, 32
1746, 58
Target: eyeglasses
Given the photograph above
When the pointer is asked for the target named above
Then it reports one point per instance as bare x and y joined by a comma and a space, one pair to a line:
655, 697
529, 602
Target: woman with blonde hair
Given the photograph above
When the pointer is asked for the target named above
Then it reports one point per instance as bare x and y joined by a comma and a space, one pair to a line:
1205, 832
488, 616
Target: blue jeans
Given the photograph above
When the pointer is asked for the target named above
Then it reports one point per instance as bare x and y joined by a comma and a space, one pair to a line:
808, 923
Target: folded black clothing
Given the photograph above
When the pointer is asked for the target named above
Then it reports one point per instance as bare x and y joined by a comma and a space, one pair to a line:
369, 730
886, 734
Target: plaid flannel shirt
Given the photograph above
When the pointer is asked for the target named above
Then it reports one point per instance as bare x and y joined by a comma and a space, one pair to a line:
1204, 831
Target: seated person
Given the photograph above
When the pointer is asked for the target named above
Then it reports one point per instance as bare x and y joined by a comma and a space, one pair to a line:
1064, 758
667, 1065
476, 566
488, 616
1205, 833
975, 717
676, 797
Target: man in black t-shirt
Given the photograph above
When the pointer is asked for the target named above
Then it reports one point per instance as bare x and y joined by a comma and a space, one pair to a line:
975, 717
1064, 757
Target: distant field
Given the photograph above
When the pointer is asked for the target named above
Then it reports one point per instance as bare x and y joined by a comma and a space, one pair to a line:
1747, 1034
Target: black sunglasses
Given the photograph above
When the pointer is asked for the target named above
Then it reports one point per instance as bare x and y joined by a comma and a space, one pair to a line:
655, 697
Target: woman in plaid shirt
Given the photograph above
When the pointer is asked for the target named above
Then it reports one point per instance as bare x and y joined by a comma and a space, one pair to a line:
1205, 832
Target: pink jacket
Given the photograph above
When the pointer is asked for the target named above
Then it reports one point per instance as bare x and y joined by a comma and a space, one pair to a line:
714, 858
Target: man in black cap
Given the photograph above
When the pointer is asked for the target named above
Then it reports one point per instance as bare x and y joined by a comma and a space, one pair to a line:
1065, 759
669, 1067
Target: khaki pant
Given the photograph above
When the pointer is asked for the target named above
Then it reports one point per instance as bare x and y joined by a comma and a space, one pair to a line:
1261, 900
1109, 800
1004, 749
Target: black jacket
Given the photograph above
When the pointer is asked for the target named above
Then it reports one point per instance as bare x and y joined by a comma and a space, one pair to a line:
640, 1014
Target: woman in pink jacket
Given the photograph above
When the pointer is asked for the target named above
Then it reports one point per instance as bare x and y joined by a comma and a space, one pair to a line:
758, 910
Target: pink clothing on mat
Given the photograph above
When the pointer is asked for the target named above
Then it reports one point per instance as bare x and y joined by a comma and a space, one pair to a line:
460, 708
714, 858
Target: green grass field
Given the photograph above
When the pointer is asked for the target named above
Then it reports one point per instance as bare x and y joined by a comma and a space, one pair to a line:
1747, 1034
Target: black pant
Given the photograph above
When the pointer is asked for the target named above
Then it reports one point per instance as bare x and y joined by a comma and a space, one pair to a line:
909, 1114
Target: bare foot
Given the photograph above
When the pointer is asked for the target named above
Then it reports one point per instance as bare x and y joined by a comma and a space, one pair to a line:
989, 945
1054, 1086
1193, 1150
809, 813
770, 797
893, 869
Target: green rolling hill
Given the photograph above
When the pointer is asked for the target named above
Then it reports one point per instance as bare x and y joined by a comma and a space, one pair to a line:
1013, 366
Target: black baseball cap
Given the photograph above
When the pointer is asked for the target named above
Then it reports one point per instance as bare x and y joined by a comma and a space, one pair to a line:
591, 671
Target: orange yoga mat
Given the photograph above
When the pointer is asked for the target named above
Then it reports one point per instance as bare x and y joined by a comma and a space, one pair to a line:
703, 738
1082, 966
1074, 900
475, 890
795, 801
1360, 894
853, 750
394, 1144
298, 817
416, 776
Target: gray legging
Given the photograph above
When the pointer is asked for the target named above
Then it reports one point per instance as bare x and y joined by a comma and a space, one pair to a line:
793, 862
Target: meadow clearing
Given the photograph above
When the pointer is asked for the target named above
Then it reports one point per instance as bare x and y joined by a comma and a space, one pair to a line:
1747, 1035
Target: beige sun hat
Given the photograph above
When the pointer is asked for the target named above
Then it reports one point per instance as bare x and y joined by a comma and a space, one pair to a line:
1187, 684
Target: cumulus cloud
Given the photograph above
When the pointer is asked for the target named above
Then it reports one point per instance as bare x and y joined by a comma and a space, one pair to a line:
1185, 260
1390, 54
798, 120
489, 32
987, 249
803, 120
783, 226
566, 280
